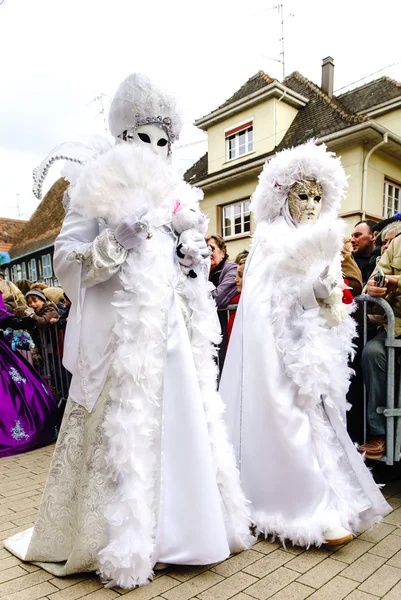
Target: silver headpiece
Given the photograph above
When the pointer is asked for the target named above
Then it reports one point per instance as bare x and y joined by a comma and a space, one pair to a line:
137, 102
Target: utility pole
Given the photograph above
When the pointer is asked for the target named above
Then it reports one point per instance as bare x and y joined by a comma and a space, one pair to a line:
99, 99
18, 210
280, 10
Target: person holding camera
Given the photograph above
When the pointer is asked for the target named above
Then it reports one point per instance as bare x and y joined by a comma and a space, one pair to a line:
384, 283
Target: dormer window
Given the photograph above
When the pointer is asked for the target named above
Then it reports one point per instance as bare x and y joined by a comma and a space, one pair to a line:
239, 140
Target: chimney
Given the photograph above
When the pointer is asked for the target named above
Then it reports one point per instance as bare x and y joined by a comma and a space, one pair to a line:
328, 75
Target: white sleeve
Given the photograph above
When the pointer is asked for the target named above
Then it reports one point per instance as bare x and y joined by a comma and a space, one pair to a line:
84, 257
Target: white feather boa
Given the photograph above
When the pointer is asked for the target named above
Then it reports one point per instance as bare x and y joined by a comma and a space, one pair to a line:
108, 189
315, 352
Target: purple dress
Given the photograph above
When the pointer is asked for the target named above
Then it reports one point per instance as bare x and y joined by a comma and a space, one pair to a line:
29, 416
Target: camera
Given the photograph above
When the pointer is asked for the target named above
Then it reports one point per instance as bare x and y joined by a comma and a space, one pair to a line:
380, 278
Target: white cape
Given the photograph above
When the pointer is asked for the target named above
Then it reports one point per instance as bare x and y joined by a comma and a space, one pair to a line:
148, 475
284, 383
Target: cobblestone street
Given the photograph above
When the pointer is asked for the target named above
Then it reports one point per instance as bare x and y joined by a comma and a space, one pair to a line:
366, 569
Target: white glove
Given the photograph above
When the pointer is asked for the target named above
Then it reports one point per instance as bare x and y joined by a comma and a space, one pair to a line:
133, 230
29, 312
324, 285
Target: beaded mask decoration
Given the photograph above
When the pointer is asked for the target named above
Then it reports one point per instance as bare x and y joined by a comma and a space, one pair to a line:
304, 201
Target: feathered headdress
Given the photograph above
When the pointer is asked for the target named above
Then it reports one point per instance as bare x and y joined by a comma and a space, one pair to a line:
308, 161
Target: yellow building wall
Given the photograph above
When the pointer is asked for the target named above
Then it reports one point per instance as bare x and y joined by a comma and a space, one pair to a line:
381, 167
391, 120
271, 119
352, 161
215, 199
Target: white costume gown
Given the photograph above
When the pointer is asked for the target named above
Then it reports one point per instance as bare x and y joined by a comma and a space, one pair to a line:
145, 473
284, 384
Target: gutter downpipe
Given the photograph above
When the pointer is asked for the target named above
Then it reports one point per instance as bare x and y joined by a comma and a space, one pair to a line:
365, 174
276, 116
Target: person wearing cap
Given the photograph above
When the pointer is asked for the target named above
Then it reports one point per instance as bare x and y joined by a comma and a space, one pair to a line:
40, 309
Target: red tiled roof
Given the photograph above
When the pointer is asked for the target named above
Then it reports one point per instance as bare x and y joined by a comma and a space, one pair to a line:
371, 94
9, 230
43, 227
321, 115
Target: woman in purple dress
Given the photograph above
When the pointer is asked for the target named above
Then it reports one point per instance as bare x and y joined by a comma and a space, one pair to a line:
29, 416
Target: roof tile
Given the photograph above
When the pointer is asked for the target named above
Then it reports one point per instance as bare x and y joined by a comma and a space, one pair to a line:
371, 94
45, 224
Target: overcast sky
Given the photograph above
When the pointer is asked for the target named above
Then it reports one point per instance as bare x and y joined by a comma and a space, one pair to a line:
57, 55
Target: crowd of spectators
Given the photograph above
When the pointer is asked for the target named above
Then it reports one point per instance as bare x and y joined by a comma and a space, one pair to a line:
371, 247
42, 314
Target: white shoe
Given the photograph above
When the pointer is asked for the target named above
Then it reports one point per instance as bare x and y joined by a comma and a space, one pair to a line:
337, 536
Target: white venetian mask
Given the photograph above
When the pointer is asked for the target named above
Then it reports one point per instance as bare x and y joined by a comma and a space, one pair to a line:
151, 136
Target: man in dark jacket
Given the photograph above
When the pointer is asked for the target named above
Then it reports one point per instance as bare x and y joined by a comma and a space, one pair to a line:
363, 243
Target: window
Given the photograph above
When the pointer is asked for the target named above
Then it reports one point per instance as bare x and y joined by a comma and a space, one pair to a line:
47, 266
239, 140
236, 218
7, 273
23, 271
32, 270
15, 272
391, 199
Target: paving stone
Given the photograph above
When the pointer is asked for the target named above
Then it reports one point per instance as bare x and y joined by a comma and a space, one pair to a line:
10, 561
336, 589
186, 573
359, 595
194, 586
9, 532
395, 561
394, 518
6, 525
394, 593
241, 596
352, 550
271, 584
22, 583
102, 594
381, 581
12, 573
23, 520
266, 547
364, 567
377, 533
15, 493
309, 559
229, 587
33, 593
322, 573
397, 530
268, 563
79, 590
157, 587
30, 568
237, 562
394, 502
294, 591
389, 546
64, 582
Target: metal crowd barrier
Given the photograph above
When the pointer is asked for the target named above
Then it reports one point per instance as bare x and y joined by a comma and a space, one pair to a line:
50, 347
392, 409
